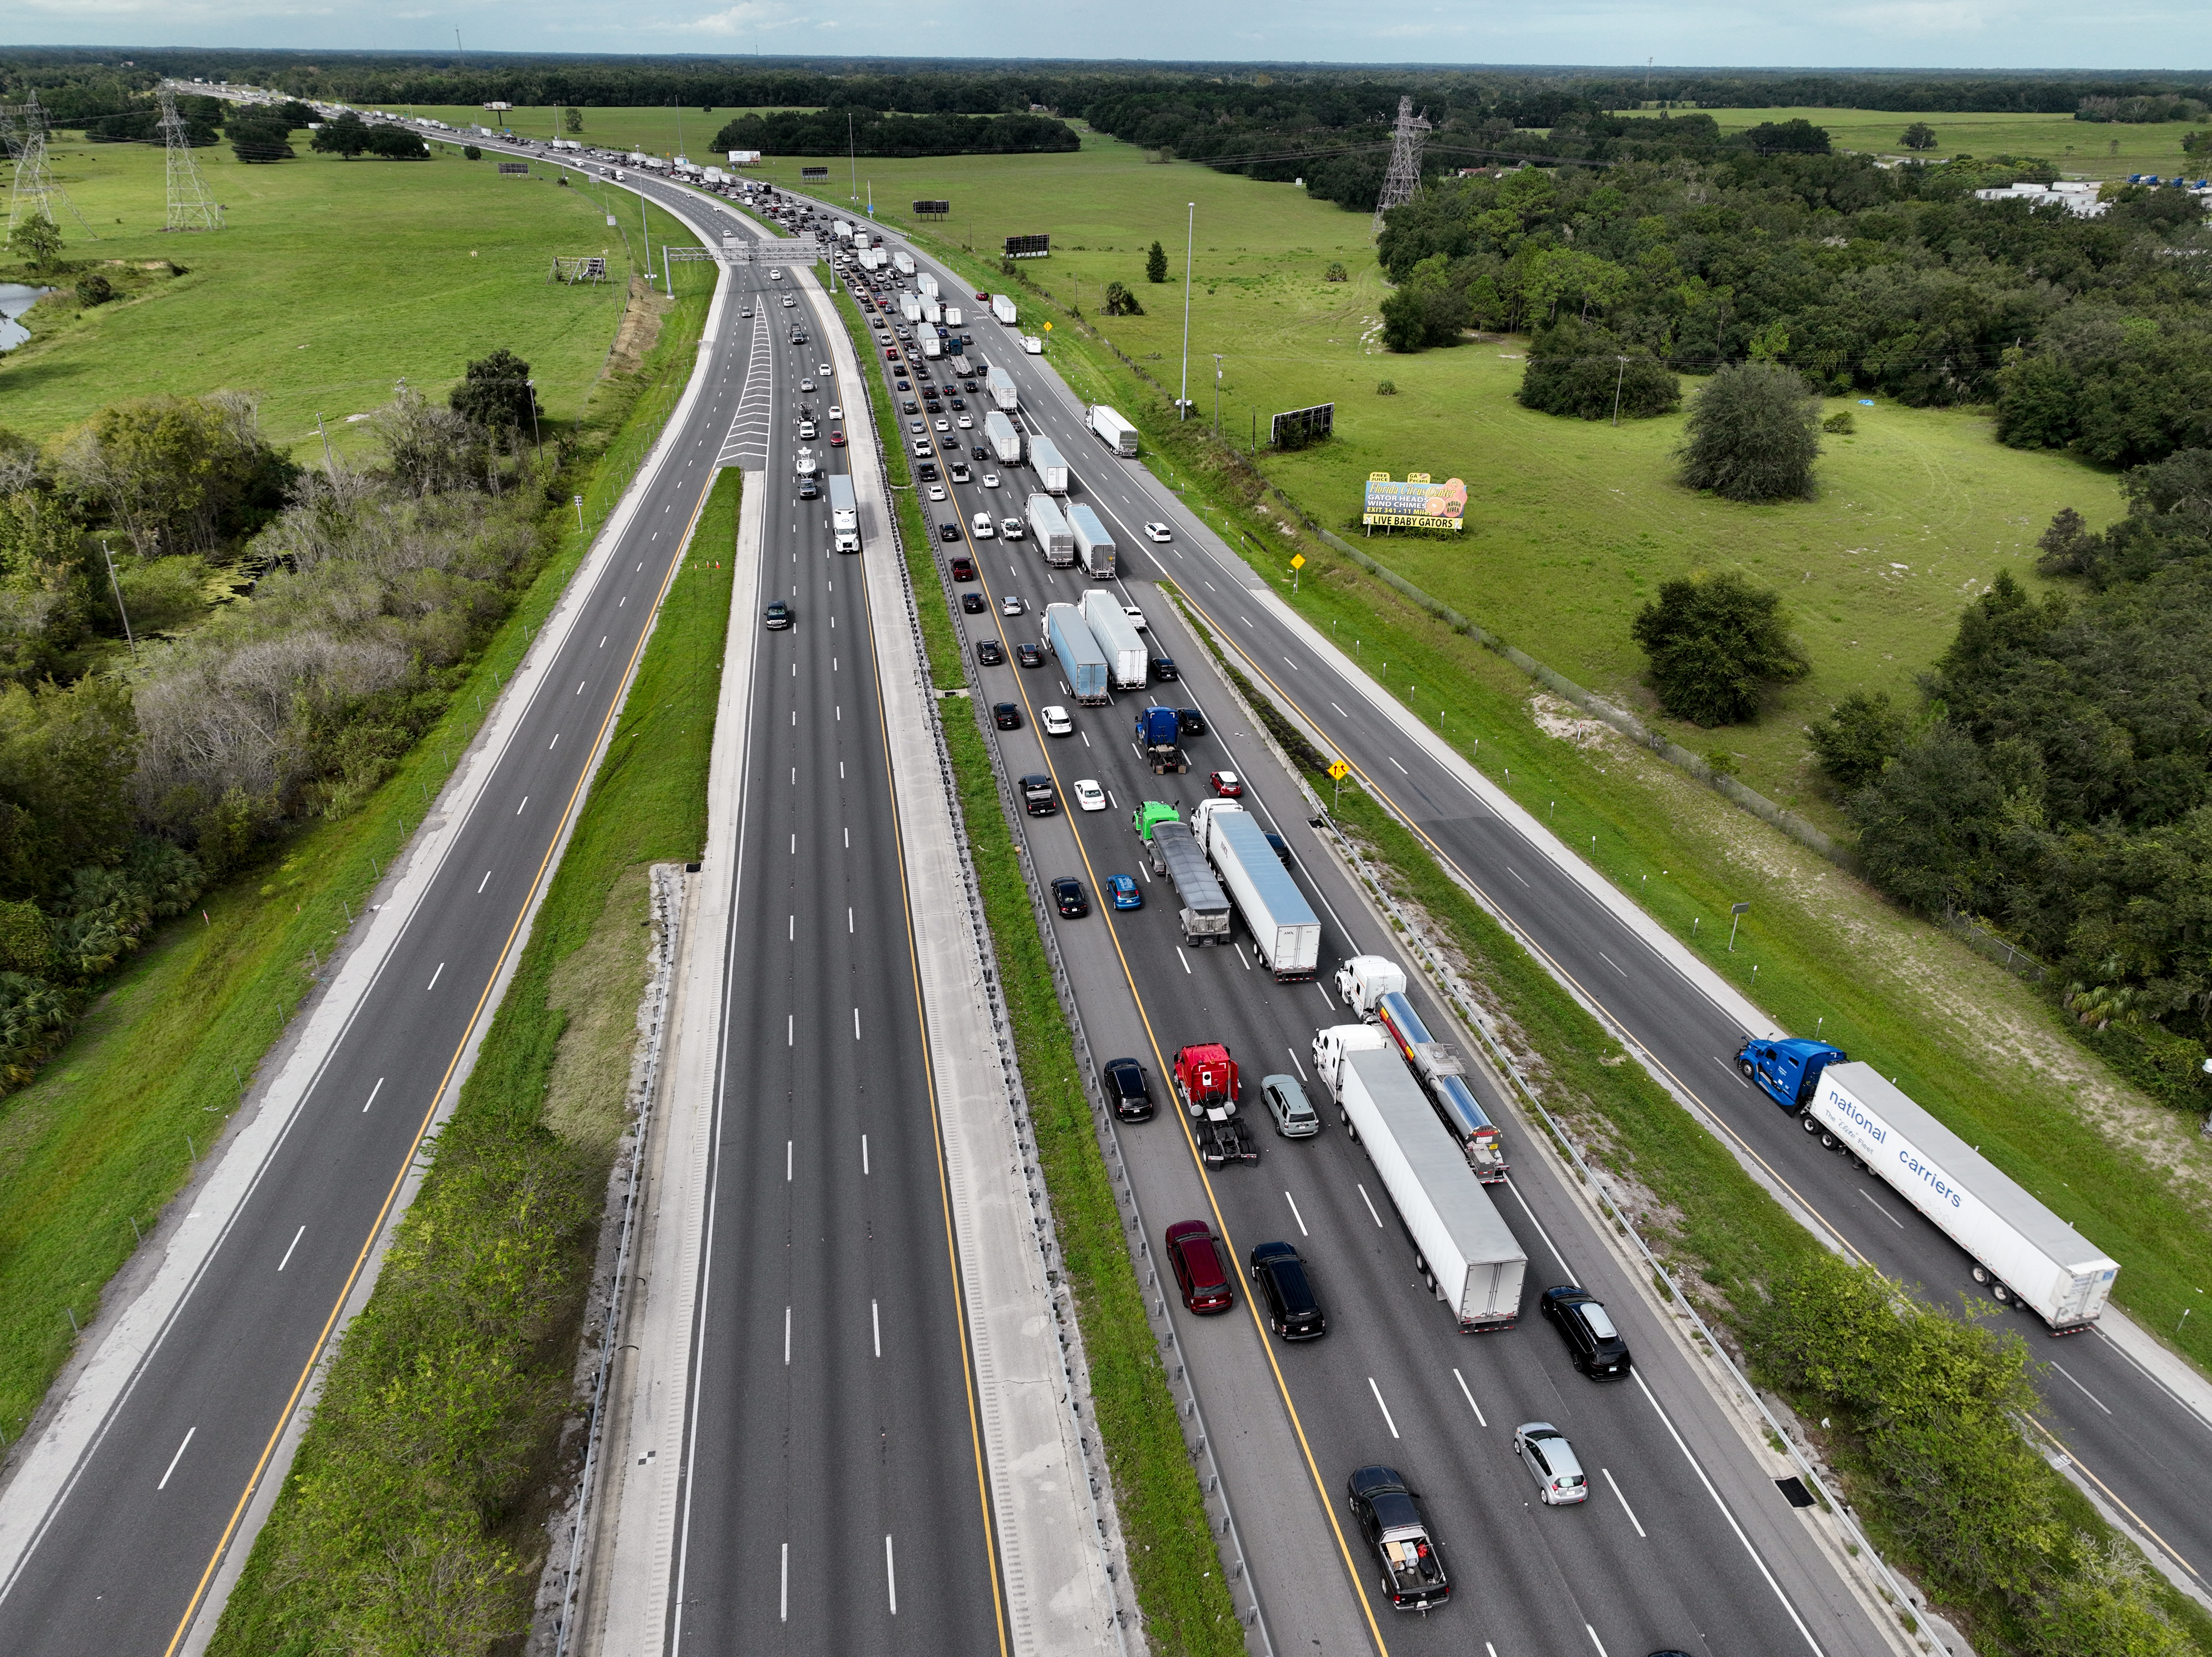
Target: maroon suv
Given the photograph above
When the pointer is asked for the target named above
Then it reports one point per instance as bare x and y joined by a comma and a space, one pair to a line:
1196, 1255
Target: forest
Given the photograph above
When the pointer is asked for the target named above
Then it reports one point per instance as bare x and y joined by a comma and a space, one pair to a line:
2084, 333
870, 132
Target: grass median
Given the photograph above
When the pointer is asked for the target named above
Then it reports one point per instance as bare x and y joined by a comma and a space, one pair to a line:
94, 1149
1174, 1564
413, 1518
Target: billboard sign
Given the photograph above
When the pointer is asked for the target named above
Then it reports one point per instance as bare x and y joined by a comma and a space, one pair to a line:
1418, 503
1029, 247
1295, 428
745, 158
813, 172
932, 209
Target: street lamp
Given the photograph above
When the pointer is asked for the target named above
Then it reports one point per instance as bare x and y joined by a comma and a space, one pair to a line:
1217, 397
1190, 231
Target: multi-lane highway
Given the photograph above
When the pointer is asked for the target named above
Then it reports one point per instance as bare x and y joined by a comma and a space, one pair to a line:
1687, 1543
2124, 1418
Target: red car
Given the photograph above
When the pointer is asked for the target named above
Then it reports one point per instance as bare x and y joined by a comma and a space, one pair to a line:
891, 353
837, 439
1227, 784
982, 297
1196, 1254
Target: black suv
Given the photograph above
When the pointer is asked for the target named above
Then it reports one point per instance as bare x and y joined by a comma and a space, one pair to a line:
1007, 716
1189, 723
948, 531
1032, 655
1280, 1277
1067, 897
989, 652
1164, 667
1126, 1089
1592, 1342
1389, 1515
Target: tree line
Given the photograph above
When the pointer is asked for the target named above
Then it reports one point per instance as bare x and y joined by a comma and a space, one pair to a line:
872, 132
2088, 333
151, 744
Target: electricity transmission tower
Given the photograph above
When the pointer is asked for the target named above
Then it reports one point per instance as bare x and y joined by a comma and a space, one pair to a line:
191, 207
1403, 181
35, 189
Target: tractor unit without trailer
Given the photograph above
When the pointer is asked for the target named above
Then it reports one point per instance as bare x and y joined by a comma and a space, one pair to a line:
1160, 740
1204, 913
1206, 1080
1462, 1248
1438, 1066
2017, 1247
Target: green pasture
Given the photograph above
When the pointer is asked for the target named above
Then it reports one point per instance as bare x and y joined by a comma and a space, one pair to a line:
331, 281
2087, 149
1572, 526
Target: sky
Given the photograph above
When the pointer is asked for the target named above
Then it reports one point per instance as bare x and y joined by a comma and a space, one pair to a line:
2157, 35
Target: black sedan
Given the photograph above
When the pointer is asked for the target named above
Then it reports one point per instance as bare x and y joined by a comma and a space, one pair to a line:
974, 604
1030, 655
1068, 896
1279, 1276
1595, 1345
1389, 1515
1126, 1090
989, 652
948, 531
1007, 716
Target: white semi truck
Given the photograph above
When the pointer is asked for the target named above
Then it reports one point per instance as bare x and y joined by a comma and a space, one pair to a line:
1284, 930
844, 512
1051, 470
1050, 532
1004, 437
1092, 541
1115, 433
1004, 393
1128, 661
1002, 306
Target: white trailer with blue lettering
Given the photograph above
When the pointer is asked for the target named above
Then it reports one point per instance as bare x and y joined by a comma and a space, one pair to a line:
2020, 1249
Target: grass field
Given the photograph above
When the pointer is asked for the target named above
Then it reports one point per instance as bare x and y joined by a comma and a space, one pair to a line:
2084, 150
332, 280
1572, 526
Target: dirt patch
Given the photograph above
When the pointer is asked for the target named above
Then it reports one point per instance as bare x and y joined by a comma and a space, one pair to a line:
639, 330
1563, 720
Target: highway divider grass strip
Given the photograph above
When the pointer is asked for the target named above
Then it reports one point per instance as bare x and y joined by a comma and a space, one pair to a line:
1687, 857
413, 1516
1718, 1228
1175, 1566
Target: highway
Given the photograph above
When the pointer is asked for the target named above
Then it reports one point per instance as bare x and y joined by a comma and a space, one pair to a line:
832, 1497
1687, 1543
2125, 1428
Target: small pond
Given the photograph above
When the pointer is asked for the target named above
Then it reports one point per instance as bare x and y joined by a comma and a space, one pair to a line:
14, 300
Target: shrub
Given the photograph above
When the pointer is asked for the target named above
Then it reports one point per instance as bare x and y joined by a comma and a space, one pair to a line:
94, 289
1336, 272
1842, 423
1861, 735
1716, 643
1578, 369
1156, 264
470, 152
1386, 388
1120, 303
1753, 433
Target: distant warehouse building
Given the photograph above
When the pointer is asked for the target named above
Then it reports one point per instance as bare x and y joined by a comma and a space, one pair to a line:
2077, 198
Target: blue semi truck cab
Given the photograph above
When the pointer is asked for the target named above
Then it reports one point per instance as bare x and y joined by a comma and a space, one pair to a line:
1787, 1068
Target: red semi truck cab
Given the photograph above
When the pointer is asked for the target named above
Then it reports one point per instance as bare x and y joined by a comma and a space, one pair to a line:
1205, 1075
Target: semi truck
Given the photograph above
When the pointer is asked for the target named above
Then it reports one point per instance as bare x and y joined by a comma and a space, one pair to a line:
1438, 1067
1051, 470
930, 310
1092, 544
1115, 433
925, 335
1204, 913
1363, 979
1080, 659
1462, 1248
1284, 930
910, 307
2015, 1246
1159, 741
1004, 437
1206, 1080
953, 315
1003, 394
1050, 532
844, 512
1002, 306
1331, 1042
1128, 660
927, 283
904, 264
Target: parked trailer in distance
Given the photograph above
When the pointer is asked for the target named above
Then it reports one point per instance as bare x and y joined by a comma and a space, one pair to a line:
1438, 1067
1115, 433
1050, 532
2017, 1246
1004, 393
1005, 438
1080, 659
844, 512
1128, 660
1002, 306
1462, 1248
1092, 544
1284, 930
1051, 470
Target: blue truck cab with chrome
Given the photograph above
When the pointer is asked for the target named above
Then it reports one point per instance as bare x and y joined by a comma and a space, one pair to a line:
1787, 1068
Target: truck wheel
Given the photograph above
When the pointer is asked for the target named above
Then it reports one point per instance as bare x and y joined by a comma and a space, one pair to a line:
1980, 1276
1811, 1125
1827, 1142
2001, 1291
1749, 1070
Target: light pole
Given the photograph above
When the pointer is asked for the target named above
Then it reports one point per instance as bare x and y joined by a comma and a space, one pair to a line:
1617, 373
852, 155
1217, 397
1190, 232
117, 588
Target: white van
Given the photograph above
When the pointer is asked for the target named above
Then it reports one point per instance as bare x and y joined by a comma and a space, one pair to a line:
983, 526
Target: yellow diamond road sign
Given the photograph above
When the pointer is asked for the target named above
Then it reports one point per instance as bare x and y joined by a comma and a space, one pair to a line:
1297, 561
1340, 771
1048, 327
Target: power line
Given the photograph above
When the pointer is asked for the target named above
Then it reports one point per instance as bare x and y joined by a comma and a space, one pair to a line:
191, 206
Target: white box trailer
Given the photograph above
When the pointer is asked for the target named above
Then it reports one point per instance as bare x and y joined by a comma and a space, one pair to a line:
904, 264
1128, 661
1092, 543
928, 284
952, 316
842, 229
1115, 433
910, 307
844, 512
1051, 470
926, 336
1004, 437
1462, 1246
1050, 532
1285, 929
2018, 1246
1002, 306
1005, 394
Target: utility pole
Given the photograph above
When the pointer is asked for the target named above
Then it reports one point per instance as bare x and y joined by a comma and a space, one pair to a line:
1189, 235
117, 588
329, 466
1617, 374
1217, 397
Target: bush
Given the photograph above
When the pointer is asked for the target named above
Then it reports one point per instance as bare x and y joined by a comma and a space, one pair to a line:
1918, 136
1156, 264
94, 289
471, 152
1386, 388
1336, 272
1842, 423
1120, 303
1860, 735
1578, 369
1716, 643
1753, 434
